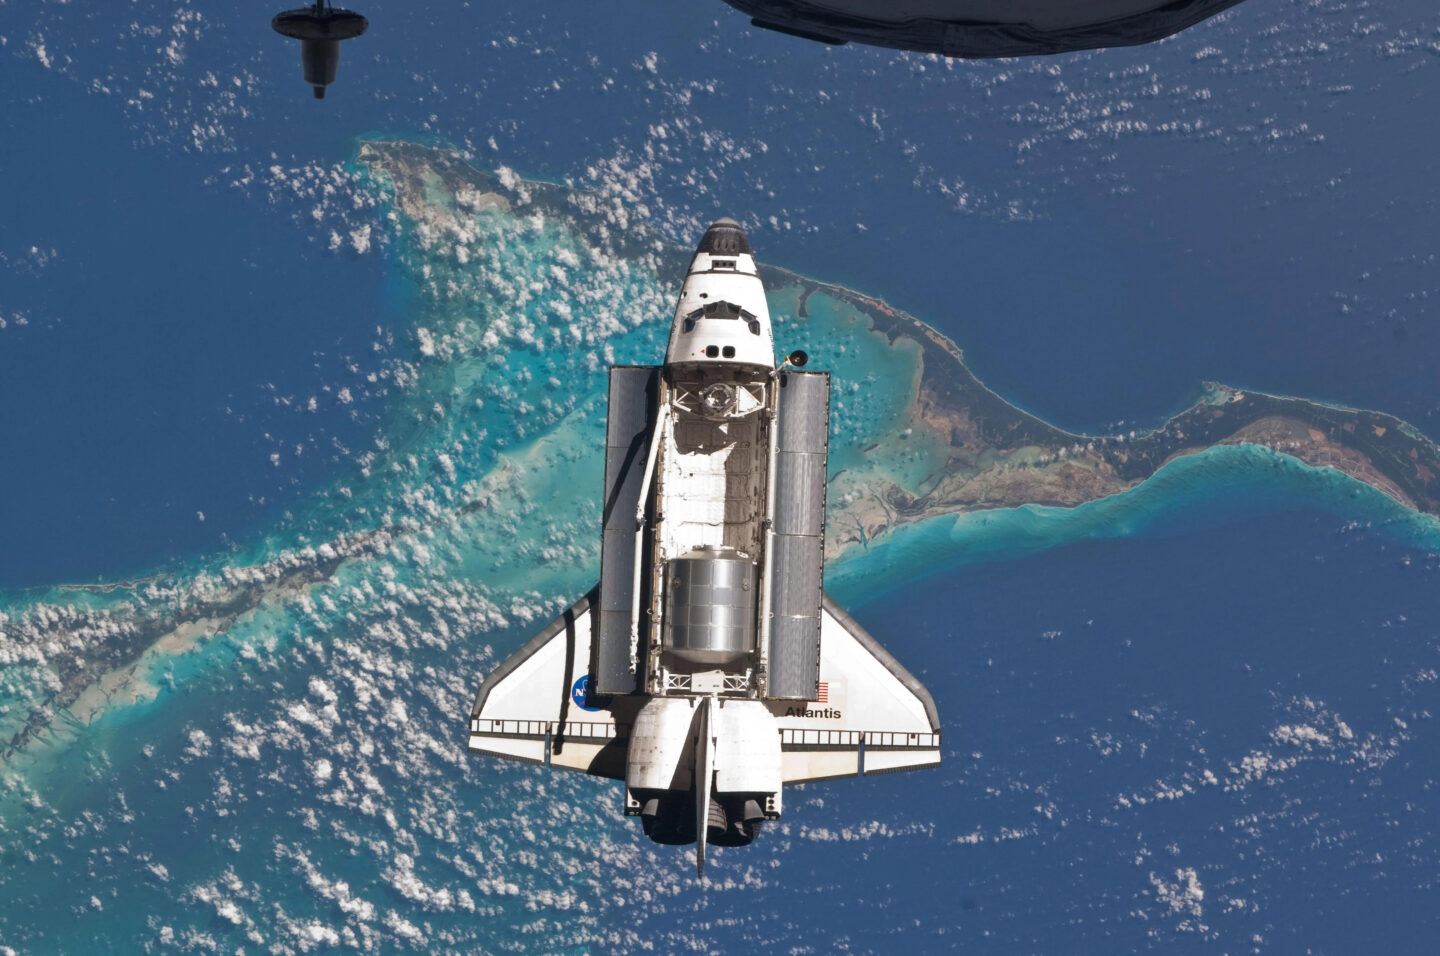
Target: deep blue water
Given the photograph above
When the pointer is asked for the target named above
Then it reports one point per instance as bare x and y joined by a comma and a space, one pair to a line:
174, 341
1182, 650
1232, 265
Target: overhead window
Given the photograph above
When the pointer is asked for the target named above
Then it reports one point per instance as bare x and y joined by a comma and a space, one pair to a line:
721, 310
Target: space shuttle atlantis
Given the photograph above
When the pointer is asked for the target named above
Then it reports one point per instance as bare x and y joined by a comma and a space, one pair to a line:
708, 668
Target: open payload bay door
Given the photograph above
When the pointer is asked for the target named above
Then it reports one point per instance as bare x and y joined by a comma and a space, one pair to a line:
535, 706
870, 712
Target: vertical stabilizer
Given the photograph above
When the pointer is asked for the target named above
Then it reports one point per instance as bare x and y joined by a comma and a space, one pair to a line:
704, 778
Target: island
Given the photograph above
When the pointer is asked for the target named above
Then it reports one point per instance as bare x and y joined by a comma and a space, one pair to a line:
999, 456
994, 455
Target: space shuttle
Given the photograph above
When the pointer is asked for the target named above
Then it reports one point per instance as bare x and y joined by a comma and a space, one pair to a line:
708, 668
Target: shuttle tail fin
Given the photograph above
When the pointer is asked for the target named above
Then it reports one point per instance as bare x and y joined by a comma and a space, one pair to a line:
704, 781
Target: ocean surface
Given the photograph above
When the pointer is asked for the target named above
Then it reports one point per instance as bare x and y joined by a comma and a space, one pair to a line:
1251, 202
1213, 732
178, 351
1196, 717
1154, 704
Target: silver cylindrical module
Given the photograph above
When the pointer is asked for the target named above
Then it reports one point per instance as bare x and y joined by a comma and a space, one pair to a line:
710, 605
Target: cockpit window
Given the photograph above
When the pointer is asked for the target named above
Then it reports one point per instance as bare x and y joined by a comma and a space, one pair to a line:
722, 310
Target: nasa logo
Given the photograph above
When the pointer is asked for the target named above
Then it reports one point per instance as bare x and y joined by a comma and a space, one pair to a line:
579, 694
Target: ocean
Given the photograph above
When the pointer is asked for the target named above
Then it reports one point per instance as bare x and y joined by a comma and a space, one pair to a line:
173, 347
1195, 717
1152, 702
1215, 727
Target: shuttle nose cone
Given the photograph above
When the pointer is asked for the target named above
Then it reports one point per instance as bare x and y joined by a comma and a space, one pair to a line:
725, 238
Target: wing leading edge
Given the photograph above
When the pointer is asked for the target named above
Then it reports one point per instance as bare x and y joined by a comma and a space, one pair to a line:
872, 715
535, 707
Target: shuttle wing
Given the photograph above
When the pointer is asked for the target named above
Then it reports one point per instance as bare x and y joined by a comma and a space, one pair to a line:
871, 715
535, 707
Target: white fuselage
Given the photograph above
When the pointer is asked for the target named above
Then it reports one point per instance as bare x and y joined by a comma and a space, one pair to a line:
691, 669
707, 580
710, 500
703, 332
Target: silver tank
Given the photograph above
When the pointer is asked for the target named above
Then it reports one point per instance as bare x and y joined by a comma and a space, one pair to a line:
710, 605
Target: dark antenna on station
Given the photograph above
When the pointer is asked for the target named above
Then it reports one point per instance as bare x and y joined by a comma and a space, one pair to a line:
320, 28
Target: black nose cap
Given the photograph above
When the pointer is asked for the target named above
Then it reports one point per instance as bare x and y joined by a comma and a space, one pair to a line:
725, 238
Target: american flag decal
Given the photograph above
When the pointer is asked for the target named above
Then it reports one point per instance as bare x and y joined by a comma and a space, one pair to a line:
822, 694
